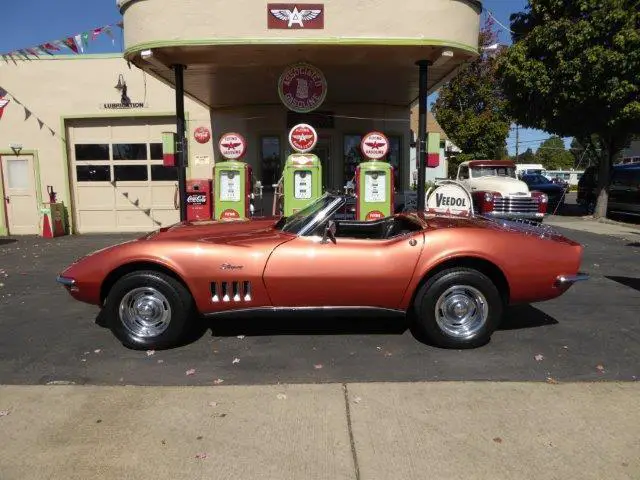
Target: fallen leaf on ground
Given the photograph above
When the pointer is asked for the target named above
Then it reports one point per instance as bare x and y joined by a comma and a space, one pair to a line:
160, 361
379, 348
240, 337
497, 440
191, 371
388, 354
552, 381
357, 400
281, 396
235, 360
220, 415
318, 366
596, 265
199, 437
539, 357
83, 359
213, 404
97, 350
4, 413
201, 456
565, 347
600, 368
218, 381
150, 353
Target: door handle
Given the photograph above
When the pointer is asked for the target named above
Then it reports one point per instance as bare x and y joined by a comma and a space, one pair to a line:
7, 199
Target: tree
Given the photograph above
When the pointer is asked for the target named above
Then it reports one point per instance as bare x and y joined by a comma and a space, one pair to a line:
586, 152
526, 157
472, 110
573, 71
553, 156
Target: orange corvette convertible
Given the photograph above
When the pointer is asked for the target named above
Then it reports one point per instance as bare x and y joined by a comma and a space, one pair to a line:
452, 276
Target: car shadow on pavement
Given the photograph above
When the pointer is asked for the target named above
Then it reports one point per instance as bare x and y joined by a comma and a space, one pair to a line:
7, 241
626, 281
519, 317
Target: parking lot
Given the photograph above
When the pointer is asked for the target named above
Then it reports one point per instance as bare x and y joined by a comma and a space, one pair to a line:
590, 333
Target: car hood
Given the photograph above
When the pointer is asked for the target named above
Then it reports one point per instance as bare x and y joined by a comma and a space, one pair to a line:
237, 232
503, 185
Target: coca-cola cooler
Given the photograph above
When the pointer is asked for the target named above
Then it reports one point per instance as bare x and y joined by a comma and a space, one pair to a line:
199, 200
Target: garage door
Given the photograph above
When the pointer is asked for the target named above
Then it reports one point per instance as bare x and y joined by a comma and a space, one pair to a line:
119, 182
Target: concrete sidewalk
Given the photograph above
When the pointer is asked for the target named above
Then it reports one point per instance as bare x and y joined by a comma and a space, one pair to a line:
588, 224
465, 430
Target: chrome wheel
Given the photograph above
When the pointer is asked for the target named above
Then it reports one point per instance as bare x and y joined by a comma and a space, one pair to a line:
145, 312
461, 311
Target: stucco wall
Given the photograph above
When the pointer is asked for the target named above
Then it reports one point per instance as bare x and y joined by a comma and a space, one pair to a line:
451, 22
78, 87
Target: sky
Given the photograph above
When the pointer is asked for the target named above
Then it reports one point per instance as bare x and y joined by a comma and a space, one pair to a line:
29, 23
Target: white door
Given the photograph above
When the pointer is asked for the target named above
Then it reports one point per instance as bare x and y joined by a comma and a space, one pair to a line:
20, 195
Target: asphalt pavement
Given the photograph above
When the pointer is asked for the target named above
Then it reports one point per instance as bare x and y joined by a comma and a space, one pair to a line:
590, 333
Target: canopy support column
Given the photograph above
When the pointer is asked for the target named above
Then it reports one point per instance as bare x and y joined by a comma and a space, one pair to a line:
421, 147
181, 141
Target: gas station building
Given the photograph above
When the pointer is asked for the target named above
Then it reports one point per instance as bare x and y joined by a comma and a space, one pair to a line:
67, 130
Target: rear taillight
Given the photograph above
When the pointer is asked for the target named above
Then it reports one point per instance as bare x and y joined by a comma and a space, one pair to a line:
543, 201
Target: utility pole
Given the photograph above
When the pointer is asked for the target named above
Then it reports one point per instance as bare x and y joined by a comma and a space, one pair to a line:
517, 142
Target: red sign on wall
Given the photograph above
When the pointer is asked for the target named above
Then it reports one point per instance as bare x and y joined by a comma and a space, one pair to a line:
302, 87
202, 135
294, 16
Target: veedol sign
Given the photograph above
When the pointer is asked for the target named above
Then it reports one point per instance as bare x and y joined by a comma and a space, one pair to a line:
450, 199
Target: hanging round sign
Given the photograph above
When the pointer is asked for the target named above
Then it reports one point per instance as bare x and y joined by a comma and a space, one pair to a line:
202, 134
450, 199
232, 146
375, 145
302, 87
303, 138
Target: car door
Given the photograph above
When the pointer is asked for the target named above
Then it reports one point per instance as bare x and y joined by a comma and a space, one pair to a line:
306, 272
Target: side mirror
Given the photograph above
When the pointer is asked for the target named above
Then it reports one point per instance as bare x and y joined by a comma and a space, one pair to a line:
329, 232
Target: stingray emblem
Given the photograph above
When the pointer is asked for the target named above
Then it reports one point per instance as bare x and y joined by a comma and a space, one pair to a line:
228, 266
295, 17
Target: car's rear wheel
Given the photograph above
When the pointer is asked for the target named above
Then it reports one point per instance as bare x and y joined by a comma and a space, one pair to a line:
148, 310
458, 308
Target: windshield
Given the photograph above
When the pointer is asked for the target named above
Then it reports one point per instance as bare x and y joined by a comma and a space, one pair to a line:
536, 179
489, 171
303, 221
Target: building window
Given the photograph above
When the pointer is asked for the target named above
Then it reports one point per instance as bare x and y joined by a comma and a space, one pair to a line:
93, 151
156, 151
160, 173
270, 162
130, 173
130, 151
352, 156
395, 159
93, 173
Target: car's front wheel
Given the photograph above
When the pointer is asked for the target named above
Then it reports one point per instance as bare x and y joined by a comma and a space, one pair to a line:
458, 308
148, 310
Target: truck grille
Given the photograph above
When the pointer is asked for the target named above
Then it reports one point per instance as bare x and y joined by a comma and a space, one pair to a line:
515, 205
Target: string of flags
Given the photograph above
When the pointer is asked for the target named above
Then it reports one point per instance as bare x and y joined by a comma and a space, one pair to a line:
75, 43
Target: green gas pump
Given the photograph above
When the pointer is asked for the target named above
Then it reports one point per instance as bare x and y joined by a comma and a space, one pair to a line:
374, 179
302, 177
232, 180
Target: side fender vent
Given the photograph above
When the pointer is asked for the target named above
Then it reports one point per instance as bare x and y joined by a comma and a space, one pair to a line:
236, 291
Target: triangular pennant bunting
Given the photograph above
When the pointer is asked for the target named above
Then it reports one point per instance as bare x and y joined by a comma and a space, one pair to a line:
40, 124
27, 113
108, 31
85, 39
78, 40
96, 32
71, 43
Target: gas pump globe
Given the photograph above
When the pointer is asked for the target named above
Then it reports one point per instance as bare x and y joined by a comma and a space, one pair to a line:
232, 180
302, 177
374, 179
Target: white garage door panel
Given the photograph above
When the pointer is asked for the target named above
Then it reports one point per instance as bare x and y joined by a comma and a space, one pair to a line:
111, 199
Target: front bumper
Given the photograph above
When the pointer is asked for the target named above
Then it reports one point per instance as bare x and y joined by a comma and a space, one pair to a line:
66, 281
565, 281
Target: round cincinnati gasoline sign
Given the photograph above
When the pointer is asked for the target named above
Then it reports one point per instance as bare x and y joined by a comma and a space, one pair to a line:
302, 87
232, 146
303, 138
374, 145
